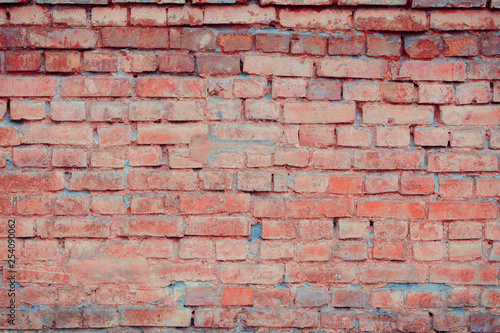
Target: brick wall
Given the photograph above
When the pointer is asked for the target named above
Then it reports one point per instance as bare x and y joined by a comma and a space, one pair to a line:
288, 164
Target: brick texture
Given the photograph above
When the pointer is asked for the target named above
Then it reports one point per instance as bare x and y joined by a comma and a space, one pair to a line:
257, 166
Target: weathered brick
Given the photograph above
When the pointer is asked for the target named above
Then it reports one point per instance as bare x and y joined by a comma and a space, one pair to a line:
390, 19
464, 20
352, 68
148, 38
279, 66
325, 19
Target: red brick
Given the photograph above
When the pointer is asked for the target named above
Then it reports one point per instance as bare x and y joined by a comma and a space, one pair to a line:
72, 228
77, 205
319, 273
396, 209
316, 135
313, 252
197, 39
383, 46
95, 87
388, 160
108, 205
352, 68
460, 46
490, 46
309, 45
472, 138
289, 87
325, 19
148, 16
64, 62
249, 181
114, 135
67, 110
435, 93
217, 64
455, 188
231, 249
354, 137
141, 179
239, 14
429, 251
361, 91
171, 87
387, 299
392, 137
148, 226
432, 70
30, 157
138, 62
321, 89
63, 38
272, 42
449, 321
464, 274
382, 183
318, 112
34, 205
28, 110
283, 318
261, 109
250, 88
346, 184
462, 210
462, 162
168, 134
32, 181
79, 135
346, 44
312, 208
68, 157
218, 226
469, 93
431, 136
23, 61
231, 42
338, 319
395, 92
185, 15
100, 62
292, 157
483, 70
311, 297
279, 66
417, 184
156, 317
464, 20
237, 296
423, 47
273, 250
11, 86
331, 159
390, 19
109, 16
144, 38
195, 248
255, 274
108, 159
67, 16
277, 230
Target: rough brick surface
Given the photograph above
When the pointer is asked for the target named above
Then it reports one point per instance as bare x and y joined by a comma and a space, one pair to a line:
256, 166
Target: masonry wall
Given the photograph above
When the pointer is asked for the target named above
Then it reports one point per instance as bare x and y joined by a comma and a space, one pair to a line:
283, 165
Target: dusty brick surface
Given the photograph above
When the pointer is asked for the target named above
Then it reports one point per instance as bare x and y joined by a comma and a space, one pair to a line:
270, 166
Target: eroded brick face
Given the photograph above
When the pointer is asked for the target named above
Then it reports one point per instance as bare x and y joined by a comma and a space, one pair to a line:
270, 165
